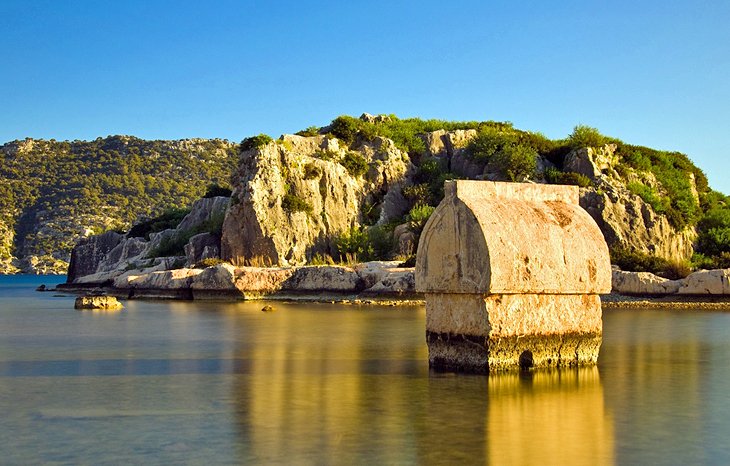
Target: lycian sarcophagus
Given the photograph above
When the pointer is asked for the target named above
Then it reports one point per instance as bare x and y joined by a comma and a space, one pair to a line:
512, 274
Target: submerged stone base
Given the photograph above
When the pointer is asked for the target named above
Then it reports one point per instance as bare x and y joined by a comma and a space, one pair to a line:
483, 333
481, 355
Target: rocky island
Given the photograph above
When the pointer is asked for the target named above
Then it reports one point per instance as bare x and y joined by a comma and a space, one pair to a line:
340, 208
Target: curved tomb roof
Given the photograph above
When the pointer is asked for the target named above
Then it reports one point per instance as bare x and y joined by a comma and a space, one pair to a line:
489, 237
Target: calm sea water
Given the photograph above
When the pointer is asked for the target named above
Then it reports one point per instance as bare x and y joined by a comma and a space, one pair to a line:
224, 383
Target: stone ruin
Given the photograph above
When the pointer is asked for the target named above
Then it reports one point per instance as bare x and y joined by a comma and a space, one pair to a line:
511, 273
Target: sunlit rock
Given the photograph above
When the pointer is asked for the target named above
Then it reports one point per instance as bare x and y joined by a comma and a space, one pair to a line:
511, 274
97, 302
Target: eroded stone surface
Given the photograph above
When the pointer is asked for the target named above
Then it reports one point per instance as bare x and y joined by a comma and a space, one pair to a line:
643, 283
511, 274
488, 237
712, 282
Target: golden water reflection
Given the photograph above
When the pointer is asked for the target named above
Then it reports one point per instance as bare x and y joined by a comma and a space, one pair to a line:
555, 417
333, 395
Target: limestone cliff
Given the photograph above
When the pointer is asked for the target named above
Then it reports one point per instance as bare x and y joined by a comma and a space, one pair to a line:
294, 196
625, 219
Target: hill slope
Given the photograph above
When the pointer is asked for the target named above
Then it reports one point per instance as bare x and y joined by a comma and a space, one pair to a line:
53, 193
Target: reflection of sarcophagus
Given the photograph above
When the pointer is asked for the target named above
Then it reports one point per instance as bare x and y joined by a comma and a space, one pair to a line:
511, 274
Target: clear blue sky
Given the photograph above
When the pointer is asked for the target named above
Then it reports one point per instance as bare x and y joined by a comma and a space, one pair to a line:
655, 73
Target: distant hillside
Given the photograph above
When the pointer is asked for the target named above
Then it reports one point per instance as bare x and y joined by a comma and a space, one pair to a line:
53, 193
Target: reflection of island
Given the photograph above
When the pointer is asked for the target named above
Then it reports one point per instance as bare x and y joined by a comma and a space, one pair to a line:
355, 388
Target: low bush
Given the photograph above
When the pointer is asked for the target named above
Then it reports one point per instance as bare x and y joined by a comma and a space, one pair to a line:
555, 176
255, 142
353, 245
650, 196
311, 171
354, 163
170, 218
419, 215
215, 190
321, 259
701, 261
635, 261
516, 162
293, 203
209, 262
173, 245
310, 131
586, 136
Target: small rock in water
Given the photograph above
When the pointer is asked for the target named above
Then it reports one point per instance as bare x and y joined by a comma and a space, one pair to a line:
97, 302
267, 308
41, 288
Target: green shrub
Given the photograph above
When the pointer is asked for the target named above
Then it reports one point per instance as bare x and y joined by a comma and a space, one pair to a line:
576, 179
353, 244
355, 164
635, 261
169, 219
418, 193
488, 142
586, 136
419, 215
310, 131
381, 242
326, 155
321, 259
311, 171
209, 262
555, 176
293, 203
215, 190
255, 142
701, 261
345, 128
173, 245
649, 196
714, 241
515, 162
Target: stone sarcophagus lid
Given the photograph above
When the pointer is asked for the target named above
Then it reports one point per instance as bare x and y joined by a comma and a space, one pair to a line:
511, 273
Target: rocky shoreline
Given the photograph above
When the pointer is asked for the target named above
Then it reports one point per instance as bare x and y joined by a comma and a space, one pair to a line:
381, 283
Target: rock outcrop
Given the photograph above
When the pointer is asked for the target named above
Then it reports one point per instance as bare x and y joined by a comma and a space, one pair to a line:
707, 282
624, 218
643, 283
109, 303
703, 282
110, 254
369, 280
294, 196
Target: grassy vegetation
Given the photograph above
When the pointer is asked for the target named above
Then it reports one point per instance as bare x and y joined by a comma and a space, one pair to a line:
633, 261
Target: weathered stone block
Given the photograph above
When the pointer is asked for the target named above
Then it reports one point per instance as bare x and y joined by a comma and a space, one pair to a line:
511, 274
